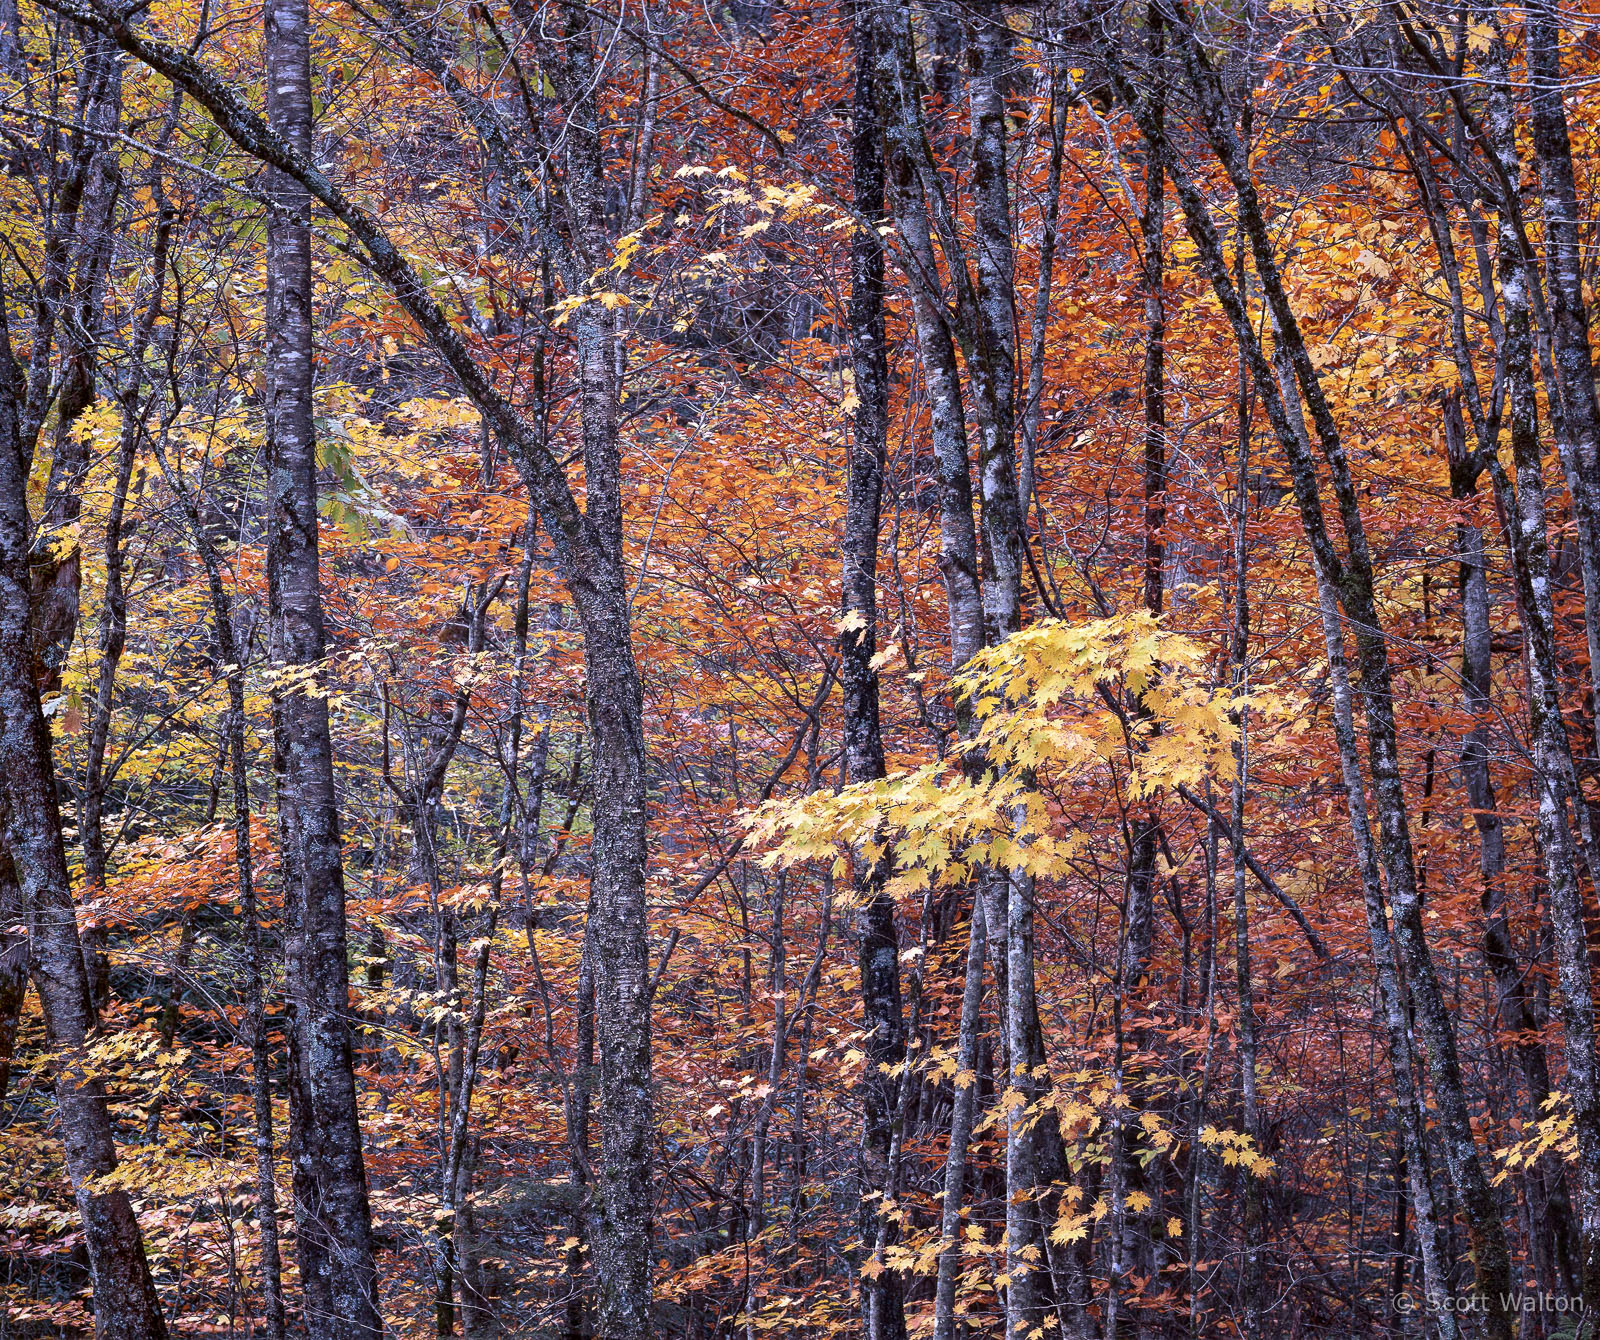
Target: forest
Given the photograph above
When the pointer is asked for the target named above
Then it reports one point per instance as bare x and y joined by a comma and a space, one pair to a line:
803, 668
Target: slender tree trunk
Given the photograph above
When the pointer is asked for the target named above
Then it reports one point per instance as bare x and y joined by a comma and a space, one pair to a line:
57, 561
1193, 1173
230, 654
1517, 1011
1554, 776
596, 575
992, 365
1152, 228
255, 1013
77, 261
1574, 391
1038, 331
883, 1028
992, 360
962, 1112
332, 1213
114, 607
13, 967
1249, 1043
906, 139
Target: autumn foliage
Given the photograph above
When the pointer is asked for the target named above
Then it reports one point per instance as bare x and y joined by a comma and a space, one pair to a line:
813, 670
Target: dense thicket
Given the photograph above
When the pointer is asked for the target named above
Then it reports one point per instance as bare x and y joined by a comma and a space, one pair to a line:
869, 669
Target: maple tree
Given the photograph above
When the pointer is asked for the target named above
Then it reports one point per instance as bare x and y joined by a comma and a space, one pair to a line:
870, 669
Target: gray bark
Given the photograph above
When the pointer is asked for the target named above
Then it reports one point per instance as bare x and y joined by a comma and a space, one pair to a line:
883, 1028
125, 1302
332, 1214
1554, 776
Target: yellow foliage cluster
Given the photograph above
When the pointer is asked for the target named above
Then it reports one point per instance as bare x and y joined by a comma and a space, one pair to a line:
1119, 699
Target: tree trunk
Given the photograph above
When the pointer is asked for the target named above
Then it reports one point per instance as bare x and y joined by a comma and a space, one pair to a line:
57, 560
125, 1302
1554, 777
906, 139
1353, 583
1239, 656
13, 967
598, 580
878, 948
961, 1118
332, 1213
1578, 423
991, 320
1517, 1012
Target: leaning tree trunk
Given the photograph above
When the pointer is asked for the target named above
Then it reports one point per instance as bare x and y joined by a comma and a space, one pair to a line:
1351, 579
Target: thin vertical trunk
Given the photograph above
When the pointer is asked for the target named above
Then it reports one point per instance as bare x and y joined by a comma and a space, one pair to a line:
13, 967
596, 575
455, 1171
230, 654
1038, 331
332, 1214
114, 607
992, 367
878, 950
1249, 1048
255, 1005
1578, 423
992, 357
906, 140
76, 267
1195, 1228
1517, 1011
644, 141
962, 1112
579, 1164
1554, 776
1152, 226
57, 561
